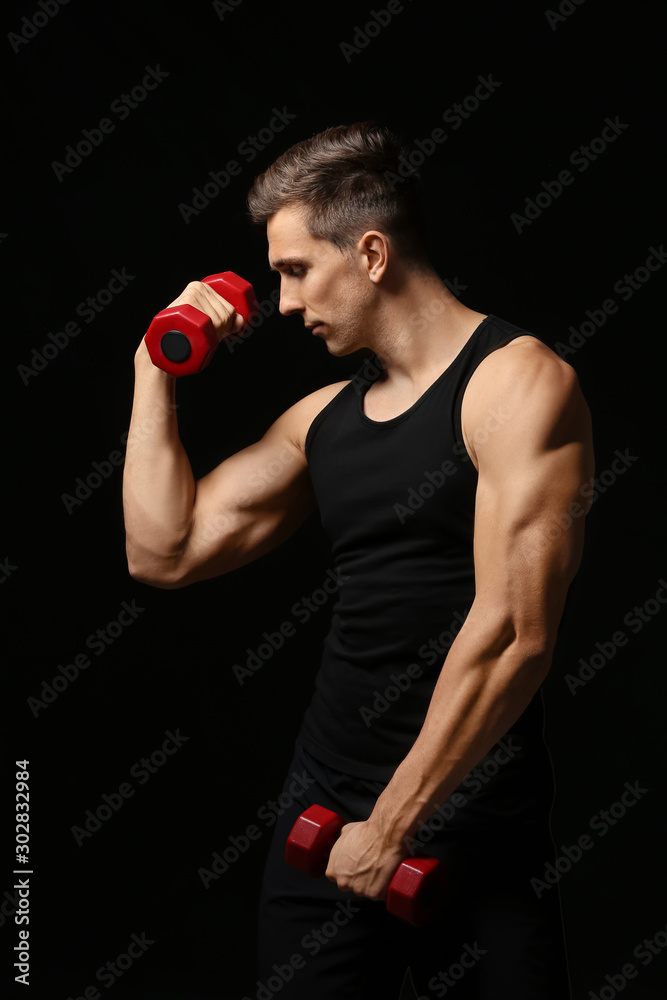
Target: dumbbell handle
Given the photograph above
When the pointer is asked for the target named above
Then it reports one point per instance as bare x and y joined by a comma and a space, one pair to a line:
415, 890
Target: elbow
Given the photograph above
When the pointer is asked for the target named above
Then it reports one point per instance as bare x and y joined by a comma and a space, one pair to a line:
535, 650
529, 639
163, 574
160, 581
522, 639
532, 644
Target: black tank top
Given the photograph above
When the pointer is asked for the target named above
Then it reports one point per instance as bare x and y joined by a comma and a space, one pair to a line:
397, 499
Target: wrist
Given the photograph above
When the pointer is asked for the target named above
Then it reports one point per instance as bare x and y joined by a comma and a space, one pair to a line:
144, 367
394, 819
141, 356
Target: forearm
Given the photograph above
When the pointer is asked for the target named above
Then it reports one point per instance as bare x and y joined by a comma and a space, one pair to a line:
483, 688
158, 484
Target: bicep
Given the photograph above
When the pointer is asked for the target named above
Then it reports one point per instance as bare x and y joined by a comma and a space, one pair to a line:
248, 504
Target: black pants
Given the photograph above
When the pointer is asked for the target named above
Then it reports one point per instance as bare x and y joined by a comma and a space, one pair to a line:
494, 936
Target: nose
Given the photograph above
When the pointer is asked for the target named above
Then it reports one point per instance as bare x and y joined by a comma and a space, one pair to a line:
290, 301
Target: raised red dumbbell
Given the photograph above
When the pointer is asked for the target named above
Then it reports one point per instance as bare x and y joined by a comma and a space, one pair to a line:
414, 892
181, 339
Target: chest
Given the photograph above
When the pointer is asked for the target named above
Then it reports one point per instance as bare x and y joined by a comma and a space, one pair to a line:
382, 404
392, 484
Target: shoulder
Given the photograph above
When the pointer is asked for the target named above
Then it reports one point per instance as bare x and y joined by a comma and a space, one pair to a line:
298, 418
308, 407
527, 388
523, 367
523, 354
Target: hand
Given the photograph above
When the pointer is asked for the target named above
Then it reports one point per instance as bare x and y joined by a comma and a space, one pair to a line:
361, 862
222, 314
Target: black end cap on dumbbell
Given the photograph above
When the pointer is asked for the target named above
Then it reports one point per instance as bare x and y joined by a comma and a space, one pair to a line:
175, 346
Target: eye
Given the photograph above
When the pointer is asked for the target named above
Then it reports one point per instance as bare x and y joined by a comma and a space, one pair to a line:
296, 272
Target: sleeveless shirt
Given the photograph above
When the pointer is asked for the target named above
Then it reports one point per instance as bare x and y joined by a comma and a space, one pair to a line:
397, 501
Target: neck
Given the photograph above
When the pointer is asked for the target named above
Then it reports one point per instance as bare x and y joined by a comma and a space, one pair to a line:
418, 326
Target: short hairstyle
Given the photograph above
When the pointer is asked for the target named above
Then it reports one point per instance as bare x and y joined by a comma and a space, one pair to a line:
349, 179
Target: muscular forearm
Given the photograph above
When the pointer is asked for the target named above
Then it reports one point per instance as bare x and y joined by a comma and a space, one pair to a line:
158, 484
484, 686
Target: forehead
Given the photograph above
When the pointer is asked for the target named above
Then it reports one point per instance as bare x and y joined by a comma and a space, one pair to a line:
288, 237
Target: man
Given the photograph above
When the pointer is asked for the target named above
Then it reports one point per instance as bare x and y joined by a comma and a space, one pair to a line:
448, 480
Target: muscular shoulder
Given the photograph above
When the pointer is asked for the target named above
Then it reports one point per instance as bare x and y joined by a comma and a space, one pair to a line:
518, 365
525, 385
298, 418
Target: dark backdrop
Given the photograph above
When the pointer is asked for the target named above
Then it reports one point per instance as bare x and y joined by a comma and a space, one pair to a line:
575, 274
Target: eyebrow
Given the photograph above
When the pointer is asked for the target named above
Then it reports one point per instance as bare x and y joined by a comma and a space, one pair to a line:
286, 262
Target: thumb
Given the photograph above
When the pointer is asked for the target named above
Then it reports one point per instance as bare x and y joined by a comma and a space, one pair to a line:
239, 323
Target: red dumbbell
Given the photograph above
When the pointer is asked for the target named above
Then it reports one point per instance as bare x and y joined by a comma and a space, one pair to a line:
414, 892
181, 339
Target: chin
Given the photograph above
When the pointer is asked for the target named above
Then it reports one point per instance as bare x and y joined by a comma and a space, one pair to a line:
341, 350
336, 350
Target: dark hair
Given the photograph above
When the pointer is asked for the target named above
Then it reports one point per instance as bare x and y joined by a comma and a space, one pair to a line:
348, 181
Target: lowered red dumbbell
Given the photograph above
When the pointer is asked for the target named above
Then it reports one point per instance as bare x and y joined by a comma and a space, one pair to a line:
181, 339
414, 892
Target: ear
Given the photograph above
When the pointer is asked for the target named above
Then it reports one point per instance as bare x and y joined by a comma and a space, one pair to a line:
373, 248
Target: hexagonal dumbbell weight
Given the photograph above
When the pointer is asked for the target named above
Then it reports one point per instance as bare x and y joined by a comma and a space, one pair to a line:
415, 891
181, 339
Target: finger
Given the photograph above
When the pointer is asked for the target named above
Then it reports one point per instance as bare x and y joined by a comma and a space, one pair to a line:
222, 314
224, 311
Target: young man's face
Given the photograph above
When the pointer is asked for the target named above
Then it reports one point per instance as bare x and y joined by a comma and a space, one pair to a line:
324, 286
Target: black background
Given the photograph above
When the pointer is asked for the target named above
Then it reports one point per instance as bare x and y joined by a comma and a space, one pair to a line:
65, 573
